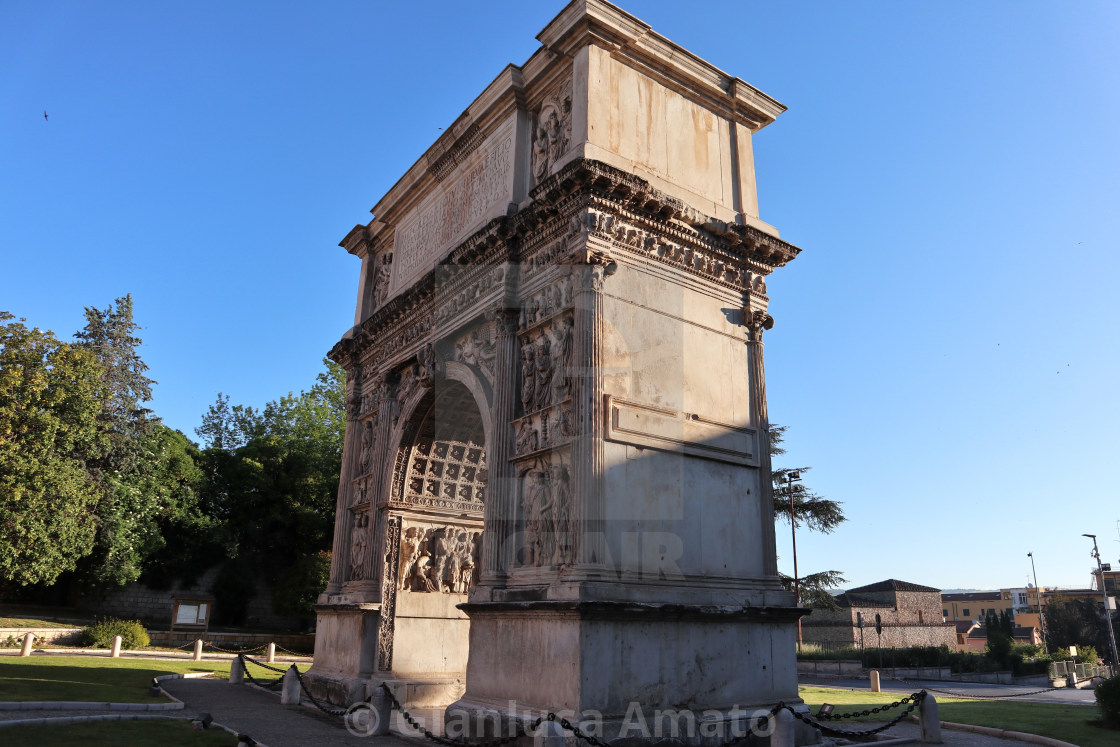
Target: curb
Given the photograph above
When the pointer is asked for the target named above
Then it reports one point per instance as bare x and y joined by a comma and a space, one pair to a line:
1021, 736
85, 705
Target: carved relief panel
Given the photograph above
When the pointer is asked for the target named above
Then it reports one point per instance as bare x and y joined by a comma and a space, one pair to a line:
437, 557
546, 510
552, 129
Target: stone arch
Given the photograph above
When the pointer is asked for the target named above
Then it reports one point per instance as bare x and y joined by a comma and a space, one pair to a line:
433, 526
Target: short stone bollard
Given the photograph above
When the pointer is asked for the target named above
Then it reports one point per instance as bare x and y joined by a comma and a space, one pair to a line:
785, 728
115, 651
875, 681
548, 734
236, 672
198, 650
379, 716
930, 720
272, 653
289, 688
28, 642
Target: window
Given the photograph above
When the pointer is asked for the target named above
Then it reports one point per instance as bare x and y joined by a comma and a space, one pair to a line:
920, 620
965, 611
944, 613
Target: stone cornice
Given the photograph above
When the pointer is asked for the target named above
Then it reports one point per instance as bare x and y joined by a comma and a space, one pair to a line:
606, 610
640, 220
584, 22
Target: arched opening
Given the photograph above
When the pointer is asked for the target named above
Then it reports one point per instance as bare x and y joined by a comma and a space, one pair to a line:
434, 534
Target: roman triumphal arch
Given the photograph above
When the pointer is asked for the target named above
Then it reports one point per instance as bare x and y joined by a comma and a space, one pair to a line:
556, 478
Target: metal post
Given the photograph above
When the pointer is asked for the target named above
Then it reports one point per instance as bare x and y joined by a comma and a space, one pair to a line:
1038, 597
790, 476
1107, 611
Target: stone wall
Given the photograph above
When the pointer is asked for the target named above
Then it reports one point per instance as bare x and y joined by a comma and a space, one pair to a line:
155, 607
903, 626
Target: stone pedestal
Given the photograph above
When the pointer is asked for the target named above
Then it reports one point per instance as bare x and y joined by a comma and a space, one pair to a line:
566, 299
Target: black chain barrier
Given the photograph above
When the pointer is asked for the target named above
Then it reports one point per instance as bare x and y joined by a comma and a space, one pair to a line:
978, 696
228, 651
270, 685
456, 742
288, 651
315, 701
914, 700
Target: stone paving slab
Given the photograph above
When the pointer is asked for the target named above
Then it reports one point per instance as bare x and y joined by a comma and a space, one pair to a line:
259, 714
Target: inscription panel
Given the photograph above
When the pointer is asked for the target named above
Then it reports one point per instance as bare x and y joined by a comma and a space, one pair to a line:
482, 188
681, 432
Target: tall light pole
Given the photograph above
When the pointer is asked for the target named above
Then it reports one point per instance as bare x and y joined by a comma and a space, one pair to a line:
1107, 612
1038, 598
790, 477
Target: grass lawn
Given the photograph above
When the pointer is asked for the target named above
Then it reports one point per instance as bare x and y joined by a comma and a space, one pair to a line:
100, 678
31, 622
1069, 723
164, 732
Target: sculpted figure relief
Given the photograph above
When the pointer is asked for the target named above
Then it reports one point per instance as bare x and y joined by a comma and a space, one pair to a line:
542, 385
359, 546
381, 280
439, 559
560, 384
546, 504
528, 380
365, 463
410, 554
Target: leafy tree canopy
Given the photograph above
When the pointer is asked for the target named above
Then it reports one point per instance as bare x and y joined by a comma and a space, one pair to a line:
52, 401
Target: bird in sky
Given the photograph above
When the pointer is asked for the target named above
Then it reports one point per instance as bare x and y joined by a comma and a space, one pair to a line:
45, 117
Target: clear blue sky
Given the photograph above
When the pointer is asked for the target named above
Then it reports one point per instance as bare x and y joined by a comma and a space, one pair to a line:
945, 352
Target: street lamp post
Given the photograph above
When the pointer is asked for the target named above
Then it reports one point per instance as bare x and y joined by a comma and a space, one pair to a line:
790, 477
1038, 598
1107, 612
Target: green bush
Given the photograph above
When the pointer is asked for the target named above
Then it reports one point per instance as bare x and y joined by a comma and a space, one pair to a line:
1087, 655
1108, 700
101, 633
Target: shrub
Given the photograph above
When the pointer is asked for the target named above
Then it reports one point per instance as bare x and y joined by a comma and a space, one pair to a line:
101, 633
1108, 700
1087, 655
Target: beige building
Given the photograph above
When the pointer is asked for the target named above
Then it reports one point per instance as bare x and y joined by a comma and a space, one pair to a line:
910, 615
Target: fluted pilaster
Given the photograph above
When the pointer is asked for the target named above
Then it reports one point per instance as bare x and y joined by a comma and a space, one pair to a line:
757, 322
499, 546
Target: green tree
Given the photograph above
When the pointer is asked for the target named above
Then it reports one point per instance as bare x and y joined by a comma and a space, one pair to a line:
1075, 622
813, 511
129, 508
51, 402
271, 478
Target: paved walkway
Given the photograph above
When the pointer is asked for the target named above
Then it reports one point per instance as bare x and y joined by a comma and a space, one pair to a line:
248, 710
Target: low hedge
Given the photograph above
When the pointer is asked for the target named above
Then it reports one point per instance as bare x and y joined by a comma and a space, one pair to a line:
101, 634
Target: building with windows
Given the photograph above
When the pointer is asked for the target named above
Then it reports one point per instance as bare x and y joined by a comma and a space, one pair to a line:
972, 605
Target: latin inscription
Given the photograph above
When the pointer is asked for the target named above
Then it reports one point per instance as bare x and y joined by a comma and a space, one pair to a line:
465, 201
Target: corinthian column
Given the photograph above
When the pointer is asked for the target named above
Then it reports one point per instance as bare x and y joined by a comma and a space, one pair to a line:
588, 450
498, 544
757, 322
